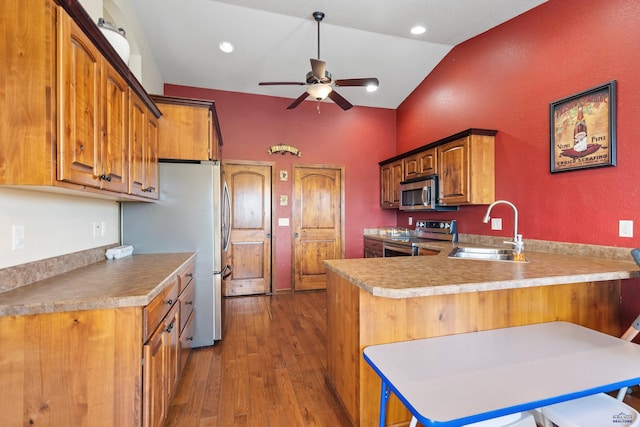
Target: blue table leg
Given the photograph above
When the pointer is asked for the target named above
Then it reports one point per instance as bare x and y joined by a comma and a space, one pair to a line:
384, 398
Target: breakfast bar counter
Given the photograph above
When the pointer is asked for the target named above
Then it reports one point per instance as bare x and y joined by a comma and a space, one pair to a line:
382, 300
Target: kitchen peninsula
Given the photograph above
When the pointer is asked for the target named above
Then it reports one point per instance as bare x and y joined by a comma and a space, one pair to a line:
380, 300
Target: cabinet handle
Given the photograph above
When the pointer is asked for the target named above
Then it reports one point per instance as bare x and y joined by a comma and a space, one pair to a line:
189, 274
190, 339
189, 302
170, 328
170, 302
105, 177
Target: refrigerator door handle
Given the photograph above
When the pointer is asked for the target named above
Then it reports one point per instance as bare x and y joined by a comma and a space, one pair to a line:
227, 219
226, 271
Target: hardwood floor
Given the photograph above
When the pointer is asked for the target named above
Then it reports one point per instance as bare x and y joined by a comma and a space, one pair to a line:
268, 370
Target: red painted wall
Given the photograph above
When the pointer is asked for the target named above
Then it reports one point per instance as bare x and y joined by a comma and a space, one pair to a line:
505, 79
356, 139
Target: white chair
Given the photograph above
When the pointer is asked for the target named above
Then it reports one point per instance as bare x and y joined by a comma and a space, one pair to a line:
598, 410
520, 419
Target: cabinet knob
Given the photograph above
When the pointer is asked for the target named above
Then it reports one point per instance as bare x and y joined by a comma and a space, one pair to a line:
190, 339
170, 302
189, 303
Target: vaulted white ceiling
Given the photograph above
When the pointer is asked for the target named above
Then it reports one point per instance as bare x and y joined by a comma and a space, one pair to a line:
274, 40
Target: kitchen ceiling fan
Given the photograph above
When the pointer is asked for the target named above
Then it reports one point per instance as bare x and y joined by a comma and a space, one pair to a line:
320, 84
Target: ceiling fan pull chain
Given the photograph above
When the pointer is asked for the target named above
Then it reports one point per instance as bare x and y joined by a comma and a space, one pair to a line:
318, 106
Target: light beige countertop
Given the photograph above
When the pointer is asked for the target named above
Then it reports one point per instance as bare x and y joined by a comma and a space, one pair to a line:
126, 282
406, 277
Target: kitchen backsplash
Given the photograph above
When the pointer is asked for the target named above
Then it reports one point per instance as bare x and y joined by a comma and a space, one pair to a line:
575, 249
20, 275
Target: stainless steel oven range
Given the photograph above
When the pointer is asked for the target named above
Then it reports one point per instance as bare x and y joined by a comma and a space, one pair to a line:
443, 230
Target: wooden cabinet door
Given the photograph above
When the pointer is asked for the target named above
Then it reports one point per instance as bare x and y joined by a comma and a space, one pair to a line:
137, 126
161, 369
114, 164
154, 394
172, 347
151, 157
79, 136
249, 249
420, 164
454, 172
184, 131
317, 223
143, 149
391, 175
466, 171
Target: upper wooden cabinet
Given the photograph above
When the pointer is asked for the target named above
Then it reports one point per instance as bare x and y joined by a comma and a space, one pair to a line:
466, 171
66, 106
93, 104
420, 164
391, 174
464, 163
189, 129
143, 150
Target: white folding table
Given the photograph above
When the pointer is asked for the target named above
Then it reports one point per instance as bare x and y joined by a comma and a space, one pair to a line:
460, 379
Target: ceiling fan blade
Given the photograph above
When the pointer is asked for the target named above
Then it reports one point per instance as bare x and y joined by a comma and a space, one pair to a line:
357, 82
338, 99
318, 68
281, 83
297, 102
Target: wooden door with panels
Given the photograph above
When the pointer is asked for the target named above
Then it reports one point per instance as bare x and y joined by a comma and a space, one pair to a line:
249, 249
318, 223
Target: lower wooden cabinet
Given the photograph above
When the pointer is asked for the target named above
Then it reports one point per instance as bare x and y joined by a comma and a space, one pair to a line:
161, 369
97, 367
372, 248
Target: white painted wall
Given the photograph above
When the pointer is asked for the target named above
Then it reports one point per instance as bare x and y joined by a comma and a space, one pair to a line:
53, 224
57, 224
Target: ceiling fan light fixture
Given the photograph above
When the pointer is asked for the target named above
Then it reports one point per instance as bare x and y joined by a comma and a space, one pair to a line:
418, 29
319, 91
372, 88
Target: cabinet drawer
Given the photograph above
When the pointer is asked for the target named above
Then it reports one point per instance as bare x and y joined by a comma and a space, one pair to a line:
158, 308
186, 304
186, 276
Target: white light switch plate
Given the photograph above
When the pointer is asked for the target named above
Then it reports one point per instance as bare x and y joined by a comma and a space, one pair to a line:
496, 223
625, 228
283, 222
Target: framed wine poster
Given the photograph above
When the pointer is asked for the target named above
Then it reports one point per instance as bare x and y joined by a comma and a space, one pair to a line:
583, 129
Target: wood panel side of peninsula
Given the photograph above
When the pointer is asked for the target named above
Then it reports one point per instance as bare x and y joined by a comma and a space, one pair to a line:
356, 319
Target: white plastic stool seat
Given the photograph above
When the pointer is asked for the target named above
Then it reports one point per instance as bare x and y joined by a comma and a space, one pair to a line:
598, 410
519, 419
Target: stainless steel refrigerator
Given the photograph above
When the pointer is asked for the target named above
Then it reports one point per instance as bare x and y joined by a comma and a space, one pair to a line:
186, 218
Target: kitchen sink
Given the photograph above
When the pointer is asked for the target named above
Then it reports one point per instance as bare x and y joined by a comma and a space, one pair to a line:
491, 254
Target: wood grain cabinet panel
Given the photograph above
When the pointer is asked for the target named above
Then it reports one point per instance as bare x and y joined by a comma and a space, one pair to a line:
421, 164
104, 367
391, 174
69, 107
466, 171
189, 129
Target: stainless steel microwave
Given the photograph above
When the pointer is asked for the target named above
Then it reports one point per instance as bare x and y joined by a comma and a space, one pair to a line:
419, 195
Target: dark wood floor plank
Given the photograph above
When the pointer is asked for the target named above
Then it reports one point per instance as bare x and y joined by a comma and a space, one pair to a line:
269, 370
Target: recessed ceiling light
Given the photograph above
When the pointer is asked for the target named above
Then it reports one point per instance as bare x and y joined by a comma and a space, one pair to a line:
418, 29
226, 47
372, 88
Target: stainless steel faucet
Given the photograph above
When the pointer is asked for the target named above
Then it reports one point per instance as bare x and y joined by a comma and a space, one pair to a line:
518, 244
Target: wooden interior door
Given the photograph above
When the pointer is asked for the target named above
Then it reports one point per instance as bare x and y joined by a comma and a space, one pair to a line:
249, 250
318, 223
